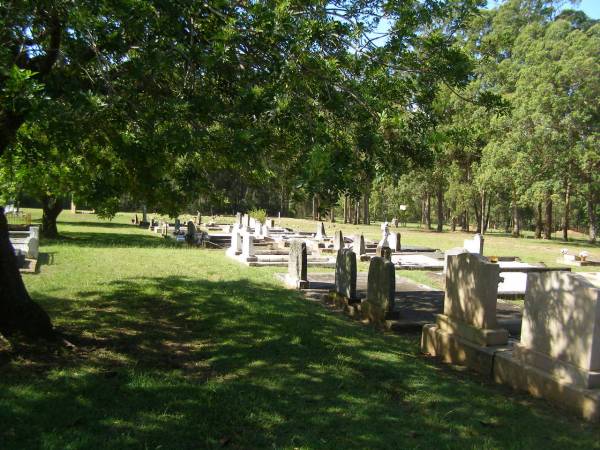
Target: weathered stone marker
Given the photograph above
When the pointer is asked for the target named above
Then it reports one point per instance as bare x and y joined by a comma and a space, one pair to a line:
345, 274
558, 357
384, 252
246, 221
190, 234
381, 289
320, 231
358, 245
235, 248
394, 242
467, 333
338, 241
297, 275
248, 248
238, 219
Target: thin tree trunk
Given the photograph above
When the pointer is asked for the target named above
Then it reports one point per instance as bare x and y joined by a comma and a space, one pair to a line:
332, 214
314, 207
567, 212
345, 209
428, 210
366, 218
440, 209
18, 313
539, 223
51, 209
477, 216
482, 215
548, 227
591, 213
486, 223
516, 228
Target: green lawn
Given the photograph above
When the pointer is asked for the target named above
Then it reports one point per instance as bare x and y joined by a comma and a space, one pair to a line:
182, 348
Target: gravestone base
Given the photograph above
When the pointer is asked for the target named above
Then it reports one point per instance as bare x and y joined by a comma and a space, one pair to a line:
379, 318
561, 370
478, 336
249, 259
513, 372
454, 349
295, 283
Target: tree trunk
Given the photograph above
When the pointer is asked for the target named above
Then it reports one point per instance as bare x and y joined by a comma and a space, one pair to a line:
453, 226
591, 212
345, 209
51, 209
314, 207
565, 226
428, 210
366, 218
482, 215
477, 216
548, 227
539, 223
486, 223
440, 209
516, 229
332, 214
18, 313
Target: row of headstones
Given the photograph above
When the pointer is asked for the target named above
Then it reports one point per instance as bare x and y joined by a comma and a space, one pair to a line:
381, 281
245, 221
560, 330
389, 240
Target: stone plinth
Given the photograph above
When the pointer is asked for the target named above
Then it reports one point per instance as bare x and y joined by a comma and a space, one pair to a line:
297, 275
381, 288
345, 275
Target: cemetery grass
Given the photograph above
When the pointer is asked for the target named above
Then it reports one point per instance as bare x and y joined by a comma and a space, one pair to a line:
177, 348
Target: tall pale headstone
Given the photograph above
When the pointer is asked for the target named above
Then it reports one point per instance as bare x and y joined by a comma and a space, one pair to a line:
394, 242
560, 334
248, 252
238, 219
470, 301
235, 247
345, 274
358, 245
381, 290
338, 241
297, 275
321, 231
474, 245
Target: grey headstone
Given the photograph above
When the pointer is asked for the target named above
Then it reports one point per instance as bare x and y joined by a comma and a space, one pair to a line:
384, 252
381, 289
238, 218
298, 264
345, 273
190, 234
338, 241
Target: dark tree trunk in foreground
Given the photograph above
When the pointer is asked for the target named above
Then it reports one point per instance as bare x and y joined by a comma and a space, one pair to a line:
51, 209
548, 227
18, 313
440, 209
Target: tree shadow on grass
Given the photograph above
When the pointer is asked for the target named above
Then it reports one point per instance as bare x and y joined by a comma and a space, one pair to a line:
181, 362
103, 240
